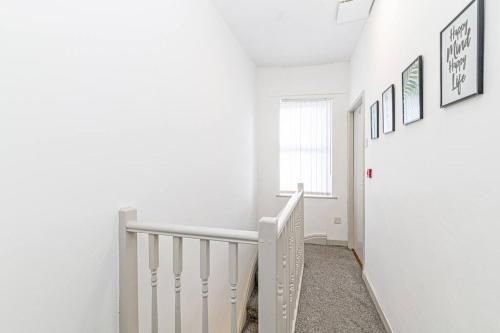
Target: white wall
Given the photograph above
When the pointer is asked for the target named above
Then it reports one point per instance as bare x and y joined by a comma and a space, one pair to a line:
105, 104
432, 218
274, 83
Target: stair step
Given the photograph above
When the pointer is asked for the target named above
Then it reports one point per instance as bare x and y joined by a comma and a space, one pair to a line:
253, 307
251, 327
252, 321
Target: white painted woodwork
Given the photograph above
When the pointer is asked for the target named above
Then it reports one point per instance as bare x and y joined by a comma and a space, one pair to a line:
233, 285
280, 243
204, 274
299, 234
281, 254
291, 268
177, 268
358, 166
129, 302
216, 234
285, 278
268, 267
154, 253
285, 213
281, 290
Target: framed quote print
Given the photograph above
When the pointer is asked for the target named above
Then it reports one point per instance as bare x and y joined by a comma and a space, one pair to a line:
388, 121
374, 120
462, 55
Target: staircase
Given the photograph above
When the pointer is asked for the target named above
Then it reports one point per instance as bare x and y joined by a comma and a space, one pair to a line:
280, 245
252, 323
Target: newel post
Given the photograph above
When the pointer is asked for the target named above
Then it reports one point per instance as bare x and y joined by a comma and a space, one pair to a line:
128, 309
268, 275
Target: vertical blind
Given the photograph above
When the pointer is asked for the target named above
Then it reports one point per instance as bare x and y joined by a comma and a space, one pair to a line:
306, 146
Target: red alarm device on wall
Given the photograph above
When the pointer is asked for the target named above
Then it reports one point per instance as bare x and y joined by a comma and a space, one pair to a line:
369, 173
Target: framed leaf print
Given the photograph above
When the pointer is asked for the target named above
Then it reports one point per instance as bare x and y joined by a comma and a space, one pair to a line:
462, 55
388, 121
374, 120
413, 92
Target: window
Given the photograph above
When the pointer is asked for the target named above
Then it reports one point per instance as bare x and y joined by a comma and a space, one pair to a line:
306, 146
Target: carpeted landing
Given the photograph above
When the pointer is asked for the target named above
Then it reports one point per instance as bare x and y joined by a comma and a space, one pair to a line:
334, 298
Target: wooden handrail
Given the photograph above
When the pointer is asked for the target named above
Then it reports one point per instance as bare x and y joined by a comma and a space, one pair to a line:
214, 234
285, 213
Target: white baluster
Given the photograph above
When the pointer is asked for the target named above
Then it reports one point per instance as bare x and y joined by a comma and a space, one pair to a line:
204, 274
153, 266
298, 241
300, 187
296, 253
233, 282
280, 284
177, 260
286, 282
289, 270
292, 260
129, 314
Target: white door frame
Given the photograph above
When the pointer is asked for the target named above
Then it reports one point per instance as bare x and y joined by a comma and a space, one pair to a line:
358, 103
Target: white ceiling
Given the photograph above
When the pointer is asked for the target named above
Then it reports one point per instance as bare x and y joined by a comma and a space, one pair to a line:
291, 32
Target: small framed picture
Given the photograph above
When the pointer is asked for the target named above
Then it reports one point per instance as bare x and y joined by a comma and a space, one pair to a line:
462, 55
388, 121
413, 92
374, 120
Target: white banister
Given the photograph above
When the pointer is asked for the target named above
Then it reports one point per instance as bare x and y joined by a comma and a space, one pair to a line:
204, 274
177, 268
280, 243
298, 222
154, 254
233, 283
285, 213
215, 234
129, 302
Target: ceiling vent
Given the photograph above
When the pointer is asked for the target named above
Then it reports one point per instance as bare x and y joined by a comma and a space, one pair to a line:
353, 10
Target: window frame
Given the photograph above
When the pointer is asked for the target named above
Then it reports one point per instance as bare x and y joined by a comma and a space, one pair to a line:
330, 97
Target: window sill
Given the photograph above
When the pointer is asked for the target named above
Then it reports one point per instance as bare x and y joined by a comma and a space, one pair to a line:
309, 196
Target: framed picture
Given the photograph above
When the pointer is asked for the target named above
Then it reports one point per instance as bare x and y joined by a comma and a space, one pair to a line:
462, 55
374, 120
388, 121
413, 92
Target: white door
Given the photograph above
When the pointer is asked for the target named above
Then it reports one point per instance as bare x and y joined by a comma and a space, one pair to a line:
359, 182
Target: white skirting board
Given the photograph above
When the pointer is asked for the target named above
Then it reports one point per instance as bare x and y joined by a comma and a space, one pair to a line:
249, 286
322, 239
381, 313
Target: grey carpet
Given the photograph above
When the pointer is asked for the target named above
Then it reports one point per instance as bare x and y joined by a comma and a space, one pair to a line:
252, 324
334, 298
